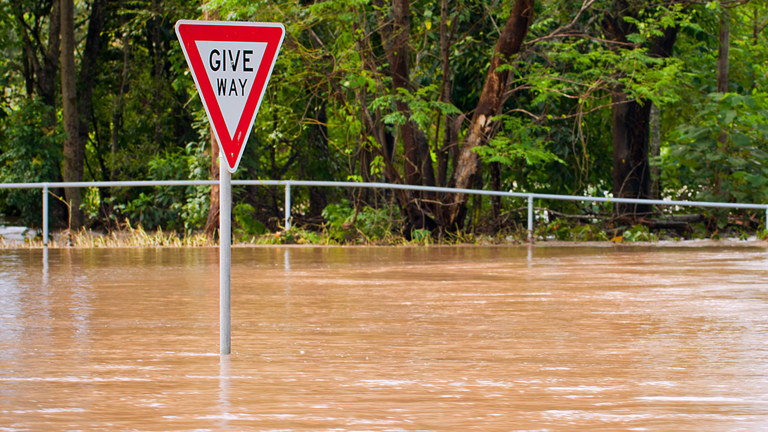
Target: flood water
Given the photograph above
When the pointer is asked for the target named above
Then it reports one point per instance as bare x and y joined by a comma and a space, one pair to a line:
386, 339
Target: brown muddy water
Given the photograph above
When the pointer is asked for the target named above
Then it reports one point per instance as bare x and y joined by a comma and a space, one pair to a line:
386, 339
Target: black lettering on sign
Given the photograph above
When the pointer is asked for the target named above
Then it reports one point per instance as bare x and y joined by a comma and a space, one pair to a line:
233, 61
219, 59
247, 59
222, 89
215, 63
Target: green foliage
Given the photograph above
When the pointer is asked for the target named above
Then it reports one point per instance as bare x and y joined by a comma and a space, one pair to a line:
566, 230
175, 208
91, 202
700, 231
291, 236
246, 225
336, 215
423, 105
524, 143
421, 236
368, 225
719, 155
30, 151
639, 233
762, 233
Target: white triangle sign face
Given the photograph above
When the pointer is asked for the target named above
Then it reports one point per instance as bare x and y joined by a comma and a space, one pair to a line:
231, 63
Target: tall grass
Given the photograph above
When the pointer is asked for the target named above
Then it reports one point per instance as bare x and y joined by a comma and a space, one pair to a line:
125, 237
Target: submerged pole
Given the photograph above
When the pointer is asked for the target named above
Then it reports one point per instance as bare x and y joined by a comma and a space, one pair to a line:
45, 214
225, 256
530, 218
287, 206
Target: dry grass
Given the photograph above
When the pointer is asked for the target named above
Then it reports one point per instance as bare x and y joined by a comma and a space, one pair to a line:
126, 237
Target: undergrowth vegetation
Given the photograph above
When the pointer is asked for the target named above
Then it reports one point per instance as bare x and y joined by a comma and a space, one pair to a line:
346, 224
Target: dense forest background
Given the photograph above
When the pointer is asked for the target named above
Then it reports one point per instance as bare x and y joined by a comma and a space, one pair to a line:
622, 98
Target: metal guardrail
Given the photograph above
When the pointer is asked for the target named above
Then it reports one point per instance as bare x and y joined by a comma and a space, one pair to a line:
288, 183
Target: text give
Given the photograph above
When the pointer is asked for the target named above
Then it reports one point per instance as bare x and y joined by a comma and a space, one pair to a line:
219, 59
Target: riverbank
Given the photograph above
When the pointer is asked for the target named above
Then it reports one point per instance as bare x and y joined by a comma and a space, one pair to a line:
21, 237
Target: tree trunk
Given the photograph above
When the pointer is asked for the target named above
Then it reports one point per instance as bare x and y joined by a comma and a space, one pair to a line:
724, 43
88, 67
631, 124
86, 82
491, 100
117, 110
631, 171
417, 163
443, 151
73, 150
417, 216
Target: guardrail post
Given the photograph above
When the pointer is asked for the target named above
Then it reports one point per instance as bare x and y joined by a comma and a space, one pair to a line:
287, 206
45, 214
530, 218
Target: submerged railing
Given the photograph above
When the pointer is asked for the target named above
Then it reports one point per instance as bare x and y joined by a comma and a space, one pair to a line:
288, 183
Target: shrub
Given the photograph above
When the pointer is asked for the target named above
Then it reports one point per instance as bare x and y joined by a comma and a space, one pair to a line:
30, 151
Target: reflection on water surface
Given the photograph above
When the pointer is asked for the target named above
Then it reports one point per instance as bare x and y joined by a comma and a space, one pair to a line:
386, 339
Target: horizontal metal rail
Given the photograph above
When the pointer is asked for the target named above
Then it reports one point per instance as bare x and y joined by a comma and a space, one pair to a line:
287, 184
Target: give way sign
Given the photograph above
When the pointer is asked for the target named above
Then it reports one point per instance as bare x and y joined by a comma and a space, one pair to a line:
231, 63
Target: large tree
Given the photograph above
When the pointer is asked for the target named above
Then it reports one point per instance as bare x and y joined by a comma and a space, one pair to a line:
72, 171
89, 66
631, 115
492, 98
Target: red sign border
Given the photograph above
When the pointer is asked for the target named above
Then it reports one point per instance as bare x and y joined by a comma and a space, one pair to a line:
191, 31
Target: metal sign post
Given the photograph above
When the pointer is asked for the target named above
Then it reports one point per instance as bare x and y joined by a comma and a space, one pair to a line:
225, 257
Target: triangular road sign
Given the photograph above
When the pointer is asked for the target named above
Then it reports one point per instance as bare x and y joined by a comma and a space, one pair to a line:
231, 63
